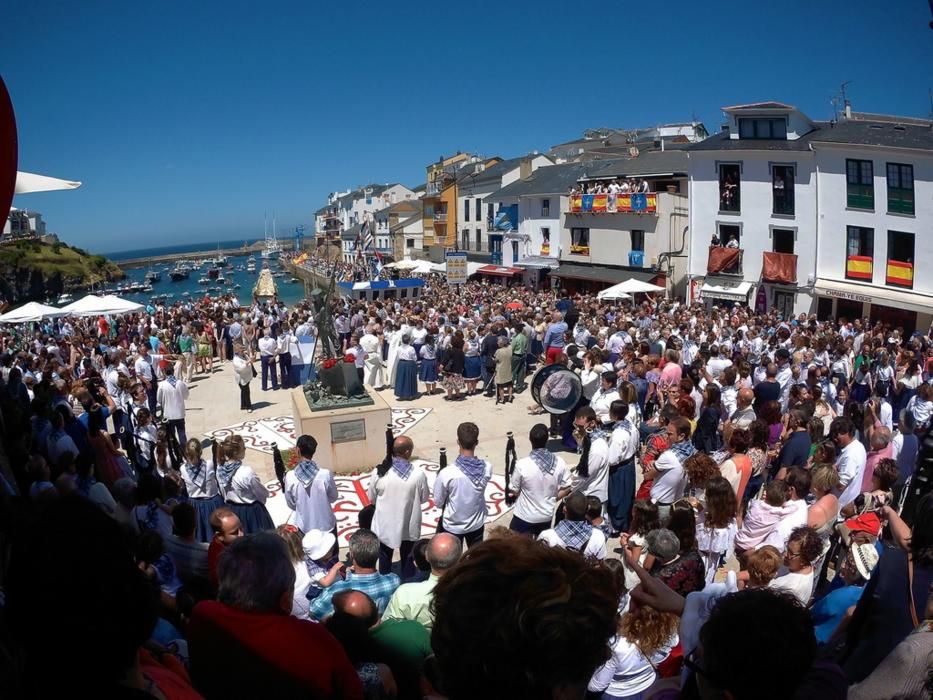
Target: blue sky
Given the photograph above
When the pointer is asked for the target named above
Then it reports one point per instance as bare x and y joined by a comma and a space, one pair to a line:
186, 121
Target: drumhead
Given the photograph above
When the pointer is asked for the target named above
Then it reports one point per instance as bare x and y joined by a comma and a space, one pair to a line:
556, 389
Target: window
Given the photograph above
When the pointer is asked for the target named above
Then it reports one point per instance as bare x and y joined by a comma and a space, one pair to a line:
730, 190
580, 241
860, 252
782, 240
900, 270
490, 218
545, 207
638, 240
763, 128
782, 189
860, 188
409, 242
514, 251
784, 303
730, 236
546, 235
900, 188
479, 239
466, 209
465, 239
479, 209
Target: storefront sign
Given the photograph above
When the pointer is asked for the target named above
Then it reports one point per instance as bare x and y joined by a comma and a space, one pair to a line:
851, 296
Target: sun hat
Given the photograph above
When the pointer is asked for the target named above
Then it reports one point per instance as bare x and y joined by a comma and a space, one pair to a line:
866, 558
317, 543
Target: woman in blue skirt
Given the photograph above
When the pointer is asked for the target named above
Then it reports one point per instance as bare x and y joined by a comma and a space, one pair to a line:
406, 373
428, 371
243, 491
200, 478
472, 364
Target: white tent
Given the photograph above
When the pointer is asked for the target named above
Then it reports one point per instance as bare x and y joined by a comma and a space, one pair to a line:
122, 306
633, 286
30, 182
403, 264
613, 293
33, 311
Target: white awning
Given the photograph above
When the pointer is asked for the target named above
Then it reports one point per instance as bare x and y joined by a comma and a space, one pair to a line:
30, 182
33, 311
728, 291
912, 301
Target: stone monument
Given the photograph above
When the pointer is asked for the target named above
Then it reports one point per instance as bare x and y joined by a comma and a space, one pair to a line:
347, 421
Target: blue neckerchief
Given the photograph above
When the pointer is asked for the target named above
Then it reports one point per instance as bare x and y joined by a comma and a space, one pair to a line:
575, 534
624, 423
171, 379
195, 470
474, 469
151, 521
402, 467
545, 461
683, 450
595, 434
305, 471
226, 471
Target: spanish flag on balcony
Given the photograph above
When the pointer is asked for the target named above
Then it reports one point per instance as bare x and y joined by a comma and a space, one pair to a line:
600, 203
859, 267
901, 273
576, 203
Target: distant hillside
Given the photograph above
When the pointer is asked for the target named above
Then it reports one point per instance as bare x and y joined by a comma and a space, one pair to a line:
31, 270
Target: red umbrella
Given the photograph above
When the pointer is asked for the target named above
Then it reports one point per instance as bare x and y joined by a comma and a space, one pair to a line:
514, 305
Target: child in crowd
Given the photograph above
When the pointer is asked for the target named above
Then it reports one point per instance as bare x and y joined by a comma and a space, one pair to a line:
762, 517
644, 519
321, 558
594, 515
716, 525
804, 547
147, 437
761, 567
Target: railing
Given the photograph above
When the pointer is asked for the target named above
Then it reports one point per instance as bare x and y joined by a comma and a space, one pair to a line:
859, 267
900, 200
900, 273
779, 267
724, 260
440, 217
784, 201
638, 203
580, 249
860, 196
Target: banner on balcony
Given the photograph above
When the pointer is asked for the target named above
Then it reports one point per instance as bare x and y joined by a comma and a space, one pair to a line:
859, 267
901, 273
779, 267
639, 203
506, 218
721, 259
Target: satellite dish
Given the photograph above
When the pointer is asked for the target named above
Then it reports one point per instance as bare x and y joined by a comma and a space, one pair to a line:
556, 389
633, 151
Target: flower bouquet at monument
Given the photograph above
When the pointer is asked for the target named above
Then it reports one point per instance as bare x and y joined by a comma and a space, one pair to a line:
339, 376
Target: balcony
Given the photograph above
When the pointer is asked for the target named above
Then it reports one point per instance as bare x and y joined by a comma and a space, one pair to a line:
726, 261
901, 200
860, 196
780, 268
783, 202
580, 249
639, 203
859, 267
900, 274
440, 217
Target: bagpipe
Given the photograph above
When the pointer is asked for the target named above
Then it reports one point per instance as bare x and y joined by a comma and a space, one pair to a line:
510, 459
383, 468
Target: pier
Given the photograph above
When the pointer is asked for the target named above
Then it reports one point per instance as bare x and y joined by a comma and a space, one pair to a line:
197, 255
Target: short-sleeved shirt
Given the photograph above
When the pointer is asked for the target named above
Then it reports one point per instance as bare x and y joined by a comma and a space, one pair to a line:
796, 450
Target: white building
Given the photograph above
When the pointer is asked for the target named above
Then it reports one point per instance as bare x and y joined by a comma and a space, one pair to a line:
344, 210
824, 215
23, 223
476, 210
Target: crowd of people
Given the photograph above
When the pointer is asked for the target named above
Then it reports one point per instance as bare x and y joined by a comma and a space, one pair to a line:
611, 186
735, 507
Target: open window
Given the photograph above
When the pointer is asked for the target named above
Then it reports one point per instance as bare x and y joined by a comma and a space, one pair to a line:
730, 187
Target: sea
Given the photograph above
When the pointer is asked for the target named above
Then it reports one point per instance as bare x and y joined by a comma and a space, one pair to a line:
288, 291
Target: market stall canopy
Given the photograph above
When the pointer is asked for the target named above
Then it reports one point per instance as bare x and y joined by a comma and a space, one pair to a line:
403, 264
33, 311
122, 306
614, 292
30, 182
633, 286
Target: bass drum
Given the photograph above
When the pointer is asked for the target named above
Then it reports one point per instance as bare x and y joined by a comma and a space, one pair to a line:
556, 389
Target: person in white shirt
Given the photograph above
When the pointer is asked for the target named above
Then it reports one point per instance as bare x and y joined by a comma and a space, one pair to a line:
785, 376
460, 489
243, 491
171, 395
591, 374
243, 373
851, 460
145, 372
412, 601
398, 490
591, 477
283, 348
310, 490
716, 364
574, 532
200, 477
374, 367
623, 444
268, 352
667, 471
537, 482
604, 396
